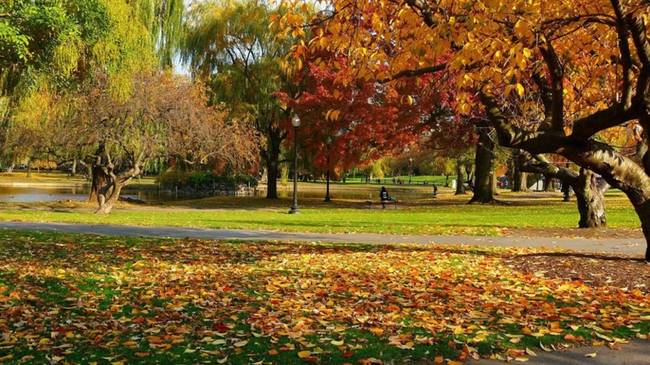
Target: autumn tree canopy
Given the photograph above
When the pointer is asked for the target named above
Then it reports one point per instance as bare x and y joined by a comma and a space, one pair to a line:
549, 76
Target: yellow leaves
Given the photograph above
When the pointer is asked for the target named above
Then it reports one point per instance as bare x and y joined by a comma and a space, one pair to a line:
518, 87
304, 354
523, 29
332, 115
318, 298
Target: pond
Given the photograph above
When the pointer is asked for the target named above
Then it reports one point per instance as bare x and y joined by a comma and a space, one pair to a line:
28, 194
151, 194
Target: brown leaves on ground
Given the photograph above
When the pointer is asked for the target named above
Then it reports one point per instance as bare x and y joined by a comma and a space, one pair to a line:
203, 301
596, 270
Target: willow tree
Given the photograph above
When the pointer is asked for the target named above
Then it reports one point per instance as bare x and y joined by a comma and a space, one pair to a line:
164, 21
230, 47
42, 48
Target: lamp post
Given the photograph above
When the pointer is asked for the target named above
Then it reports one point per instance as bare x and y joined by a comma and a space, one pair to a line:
295, 122
329, 148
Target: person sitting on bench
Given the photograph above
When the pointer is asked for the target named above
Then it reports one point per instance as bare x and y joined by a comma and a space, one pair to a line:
384, 197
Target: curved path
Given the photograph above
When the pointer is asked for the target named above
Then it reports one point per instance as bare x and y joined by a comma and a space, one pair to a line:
620, 246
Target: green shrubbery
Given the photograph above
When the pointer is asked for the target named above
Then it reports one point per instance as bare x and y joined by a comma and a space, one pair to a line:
204, 181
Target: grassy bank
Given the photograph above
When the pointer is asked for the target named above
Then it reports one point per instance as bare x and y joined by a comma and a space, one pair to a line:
448, 215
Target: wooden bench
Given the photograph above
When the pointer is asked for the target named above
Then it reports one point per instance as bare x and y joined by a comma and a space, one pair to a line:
382, 202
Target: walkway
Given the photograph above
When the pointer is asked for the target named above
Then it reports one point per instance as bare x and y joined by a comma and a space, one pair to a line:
615, 246
634, 353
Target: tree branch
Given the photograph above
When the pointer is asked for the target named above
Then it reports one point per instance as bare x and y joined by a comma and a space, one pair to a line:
418, 72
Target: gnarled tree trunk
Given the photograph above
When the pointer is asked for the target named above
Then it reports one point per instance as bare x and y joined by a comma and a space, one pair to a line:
108, 182
108, 195
590, 199
589, 189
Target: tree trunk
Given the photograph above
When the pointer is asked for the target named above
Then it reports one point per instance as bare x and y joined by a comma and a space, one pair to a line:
460, 184
523, 182
590, 199
327, 191
484, 169
566, 191
643, 211
73, 169
272, 168
99, 179
516, 170
108, 196
516, 177
446, 180
29, 168
493, 182
548, 183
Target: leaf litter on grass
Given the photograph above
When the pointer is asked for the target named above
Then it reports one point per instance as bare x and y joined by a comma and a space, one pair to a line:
80, 298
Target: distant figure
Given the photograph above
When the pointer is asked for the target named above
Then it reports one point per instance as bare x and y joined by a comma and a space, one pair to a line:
384, 197
435, 190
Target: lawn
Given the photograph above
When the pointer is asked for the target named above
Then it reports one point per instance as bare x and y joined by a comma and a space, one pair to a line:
82, 298
440, 217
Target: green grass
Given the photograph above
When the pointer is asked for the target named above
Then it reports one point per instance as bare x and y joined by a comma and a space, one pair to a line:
429, 179
439, 219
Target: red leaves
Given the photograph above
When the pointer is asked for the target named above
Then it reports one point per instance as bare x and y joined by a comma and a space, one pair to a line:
221, 327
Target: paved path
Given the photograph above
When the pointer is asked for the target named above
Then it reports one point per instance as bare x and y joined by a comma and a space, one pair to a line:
635, 353
615, 246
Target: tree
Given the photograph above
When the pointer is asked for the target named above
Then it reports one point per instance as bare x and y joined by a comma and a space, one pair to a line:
589, 188
38, 36
581, 85
163, 116
351, 122
229, 46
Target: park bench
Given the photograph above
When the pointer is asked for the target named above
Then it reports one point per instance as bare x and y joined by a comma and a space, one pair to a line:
382, 202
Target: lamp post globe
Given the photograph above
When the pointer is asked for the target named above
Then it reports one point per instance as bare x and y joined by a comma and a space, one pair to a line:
295, 121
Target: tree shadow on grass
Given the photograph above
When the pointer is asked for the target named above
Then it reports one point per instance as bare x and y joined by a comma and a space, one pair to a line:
594, 256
